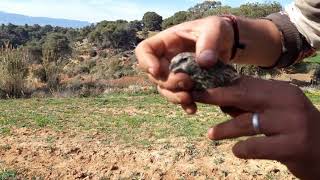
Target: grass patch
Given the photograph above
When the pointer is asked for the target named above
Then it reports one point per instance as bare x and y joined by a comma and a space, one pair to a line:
5, 131
314, 96
8, 174
315, 59
43, 121
125, 118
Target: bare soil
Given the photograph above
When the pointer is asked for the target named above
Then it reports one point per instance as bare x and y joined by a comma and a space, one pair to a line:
48, 154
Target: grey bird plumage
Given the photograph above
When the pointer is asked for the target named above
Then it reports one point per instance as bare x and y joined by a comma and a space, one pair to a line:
218, 76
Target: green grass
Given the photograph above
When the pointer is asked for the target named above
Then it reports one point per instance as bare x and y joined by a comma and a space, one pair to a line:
8, 174
314, 96
127, 118
315, 59
4, 130
134, 118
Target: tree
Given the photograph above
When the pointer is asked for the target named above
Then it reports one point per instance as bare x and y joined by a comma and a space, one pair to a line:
199, 9
177, 18
114, 34
205, 6
258, 10
136, 25
152, 21
221, 10
58, 44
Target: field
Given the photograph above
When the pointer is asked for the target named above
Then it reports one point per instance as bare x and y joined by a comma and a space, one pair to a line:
118, 136
315, 59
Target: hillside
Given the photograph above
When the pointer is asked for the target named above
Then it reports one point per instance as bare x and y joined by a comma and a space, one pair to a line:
18, 19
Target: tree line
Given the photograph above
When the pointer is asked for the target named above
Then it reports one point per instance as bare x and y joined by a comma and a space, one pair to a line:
123, 34
48, 49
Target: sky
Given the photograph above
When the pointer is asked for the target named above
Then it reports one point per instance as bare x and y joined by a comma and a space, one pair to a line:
98, 10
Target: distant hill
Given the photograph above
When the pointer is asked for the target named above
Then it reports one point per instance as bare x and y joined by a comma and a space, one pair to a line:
18, 19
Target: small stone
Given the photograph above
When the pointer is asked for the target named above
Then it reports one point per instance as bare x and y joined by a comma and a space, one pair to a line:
114, 168
217, 76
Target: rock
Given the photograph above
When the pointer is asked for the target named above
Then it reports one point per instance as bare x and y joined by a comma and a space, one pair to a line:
218, 76
114, 168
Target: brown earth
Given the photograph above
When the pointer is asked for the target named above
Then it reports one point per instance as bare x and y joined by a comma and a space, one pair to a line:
47, 154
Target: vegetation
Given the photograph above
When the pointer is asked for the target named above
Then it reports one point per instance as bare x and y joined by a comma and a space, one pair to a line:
8, 174
56, 60
13, 71
110, 114
111, 131
141, 113
152, 21
130, 117
115, 34
58, 44
210, 8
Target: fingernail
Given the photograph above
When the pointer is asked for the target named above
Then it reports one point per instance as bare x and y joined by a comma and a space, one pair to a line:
207, 56
211, 133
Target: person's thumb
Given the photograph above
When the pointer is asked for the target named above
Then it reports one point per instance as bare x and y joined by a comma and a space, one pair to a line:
211, 43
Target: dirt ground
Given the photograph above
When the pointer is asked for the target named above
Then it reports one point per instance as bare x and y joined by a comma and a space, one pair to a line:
48, 154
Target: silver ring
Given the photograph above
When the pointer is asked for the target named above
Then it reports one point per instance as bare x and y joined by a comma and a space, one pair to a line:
255, 122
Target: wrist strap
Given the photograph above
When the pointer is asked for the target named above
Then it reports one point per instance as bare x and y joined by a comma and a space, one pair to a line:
237, 44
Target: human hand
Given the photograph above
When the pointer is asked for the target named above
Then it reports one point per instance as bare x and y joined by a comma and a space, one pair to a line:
211, 38
287, 118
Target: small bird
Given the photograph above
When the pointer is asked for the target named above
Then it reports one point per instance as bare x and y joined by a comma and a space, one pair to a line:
217, 76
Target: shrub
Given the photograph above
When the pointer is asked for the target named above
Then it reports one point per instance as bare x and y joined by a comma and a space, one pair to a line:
84, 69
177, 18
13, 71
35, 52
103, 54
81, 87
114, 34
52, 64
58, 44
116, 67
93, 53
40, 73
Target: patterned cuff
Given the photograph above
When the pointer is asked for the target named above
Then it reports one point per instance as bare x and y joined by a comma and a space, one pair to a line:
294, 45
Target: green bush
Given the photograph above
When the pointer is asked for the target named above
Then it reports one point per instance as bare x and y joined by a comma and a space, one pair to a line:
152, 21
58, 44
177, 18
114, 34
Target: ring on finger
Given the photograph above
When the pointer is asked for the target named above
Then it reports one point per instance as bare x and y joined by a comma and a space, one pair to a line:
256, 123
